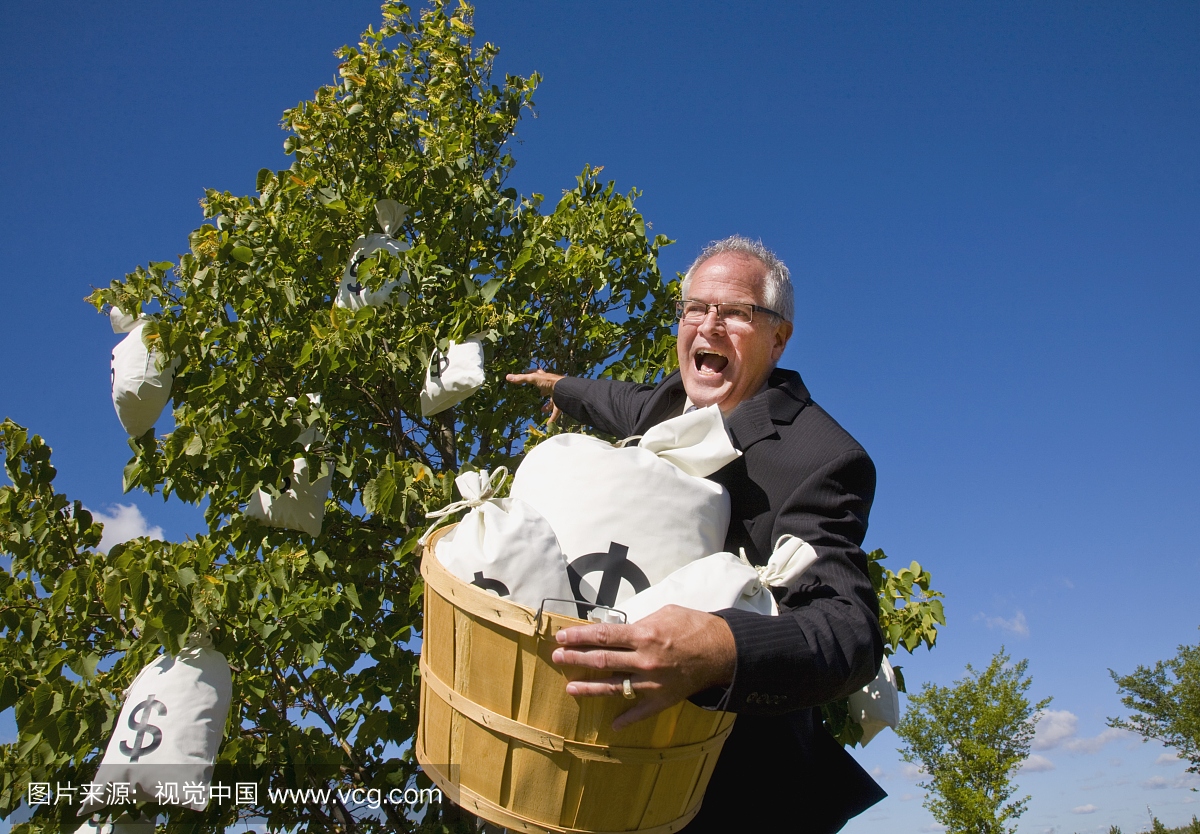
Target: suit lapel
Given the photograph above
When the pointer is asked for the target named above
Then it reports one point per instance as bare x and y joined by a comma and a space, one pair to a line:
755, 419
750, 422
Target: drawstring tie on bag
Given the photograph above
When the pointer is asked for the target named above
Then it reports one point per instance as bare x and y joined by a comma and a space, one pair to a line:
792, 557
476, 489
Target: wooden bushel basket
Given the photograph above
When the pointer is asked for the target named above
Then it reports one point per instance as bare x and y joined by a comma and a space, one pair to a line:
501, 737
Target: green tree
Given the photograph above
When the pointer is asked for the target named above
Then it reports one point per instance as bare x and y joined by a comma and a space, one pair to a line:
319, 630
1165, 702
969, 739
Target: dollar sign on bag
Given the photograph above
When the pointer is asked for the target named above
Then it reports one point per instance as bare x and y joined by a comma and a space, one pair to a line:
439, 365
358, 258
481, 581
143, 727
614, 567
357, 286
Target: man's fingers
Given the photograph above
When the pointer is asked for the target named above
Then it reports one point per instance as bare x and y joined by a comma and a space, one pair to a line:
598, 634
544, 380
594, 659
610, 686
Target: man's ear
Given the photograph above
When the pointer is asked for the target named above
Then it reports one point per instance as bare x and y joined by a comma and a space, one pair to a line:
783, 332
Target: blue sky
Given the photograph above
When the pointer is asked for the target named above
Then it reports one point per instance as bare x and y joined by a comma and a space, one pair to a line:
991, 211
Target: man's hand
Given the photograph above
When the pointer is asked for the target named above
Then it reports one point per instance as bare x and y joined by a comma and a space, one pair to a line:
544, 380
673, 653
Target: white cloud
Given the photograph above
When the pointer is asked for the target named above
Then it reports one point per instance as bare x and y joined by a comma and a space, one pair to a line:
878, 772
1016, 625
1093, 744
1155, 783
1037, 764
1167, 759
1053, 728
911, 771
121, 523
1059, 728
1084, 809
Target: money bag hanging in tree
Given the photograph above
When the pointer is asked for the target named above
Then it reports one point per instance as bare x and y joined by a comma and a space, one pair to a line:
352, 292
140, 376
169, 728
318, 628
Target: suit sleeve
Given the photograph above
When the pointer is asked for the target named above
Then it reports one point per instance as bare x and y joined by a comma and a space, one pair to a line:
826, 641
612, 407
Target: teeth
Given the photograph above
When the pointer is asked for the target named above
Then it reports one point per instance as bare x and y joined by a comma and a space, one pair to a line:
702, 357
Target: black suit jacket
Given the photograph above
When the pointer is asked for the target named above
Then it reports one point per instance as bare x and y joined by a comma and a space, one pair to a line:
799, 473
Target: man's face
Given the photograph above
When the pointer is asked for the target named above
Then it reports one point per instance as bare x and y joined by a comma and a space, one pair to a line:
726, 362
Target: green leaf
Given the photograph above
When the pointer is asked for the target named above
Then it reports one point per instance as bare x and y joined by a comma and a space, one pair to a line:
131, 475
86, 666
112, 596
242, 253
9, 692
380, 493
490, 289
305, 355
138, 586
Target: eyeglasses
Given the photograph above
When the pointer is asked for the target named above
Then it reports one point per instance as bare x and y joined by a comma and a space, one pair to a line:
691, 311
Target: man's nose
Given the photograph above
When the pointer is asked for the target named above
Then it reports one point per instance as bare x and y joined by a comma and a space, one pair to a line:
711, 322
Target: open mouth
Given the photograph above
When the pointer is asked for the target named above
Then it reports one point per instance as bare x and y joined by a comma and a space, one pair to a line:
709, 362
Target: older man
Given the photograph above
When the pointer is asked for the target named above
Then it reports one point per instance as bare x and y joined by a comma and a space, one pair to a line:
800, 474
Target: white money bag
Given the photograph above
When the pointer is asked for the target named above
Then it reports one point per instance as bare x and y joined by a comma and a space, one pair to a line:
629, 516
452, 376
141, 378
301, 502
723, 580
352, 293
712, 583
504, 546
170, 727
877, 705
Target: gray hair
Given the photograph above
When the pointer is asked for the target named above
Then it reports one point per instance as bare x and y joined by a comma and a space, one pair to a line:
777, 283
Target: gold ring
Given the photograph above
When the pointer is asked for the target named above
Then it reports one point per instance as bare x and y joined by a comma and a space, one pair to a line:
627, 689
